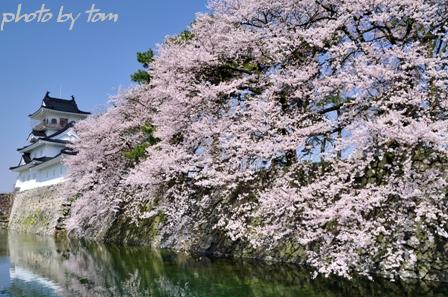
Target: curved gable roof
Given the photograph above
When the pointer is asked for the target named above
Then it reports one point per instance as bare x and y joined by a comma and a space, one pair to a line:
58, 104
40, 141
39, 161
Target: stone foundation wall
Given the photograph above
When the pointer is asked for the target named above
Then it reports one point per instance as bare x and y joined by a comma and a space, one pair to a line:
37, 211
6, 201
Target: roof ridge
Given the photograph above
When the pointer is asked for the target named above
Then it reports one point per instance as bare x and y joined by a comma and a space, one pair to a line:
47, 96
59, 104
68, 126
59, 141
43, 160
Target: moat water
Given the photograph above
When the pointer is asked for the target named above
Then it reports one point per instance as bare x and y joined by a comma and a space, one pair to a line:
42, 266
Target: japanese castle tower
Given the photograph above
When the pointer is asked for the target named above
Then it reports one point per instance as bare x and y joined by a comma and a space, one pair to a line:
42, 159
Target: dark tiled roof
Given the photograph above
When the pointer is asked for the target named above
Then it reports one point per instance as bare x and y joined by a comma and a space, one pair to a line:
42, 135
46, 159
43, 159
69, 151
26, 164
61, 104
68, 126
47, 140
39, 133
27, 158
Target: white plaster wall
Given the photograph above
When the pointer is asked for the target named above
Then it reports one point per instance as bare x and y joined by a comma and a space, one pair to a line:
36, 178
52, 174
59, 116
46, 150
68, 135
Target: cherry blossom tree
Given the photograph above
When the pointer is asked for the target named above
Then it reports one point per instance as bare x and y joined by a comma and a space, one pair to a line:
317, 127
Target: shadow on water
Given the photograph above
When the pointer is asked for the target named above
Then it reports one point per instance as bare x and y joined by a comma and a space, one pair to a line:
41, 266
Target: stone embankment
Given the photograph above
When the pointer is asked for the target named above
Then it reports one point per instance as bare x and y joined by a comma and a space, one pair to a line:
39, 211
6, 201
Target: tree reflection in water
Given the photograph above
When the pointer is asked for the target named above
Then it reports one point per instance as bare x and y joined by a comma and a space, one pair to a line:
79, 268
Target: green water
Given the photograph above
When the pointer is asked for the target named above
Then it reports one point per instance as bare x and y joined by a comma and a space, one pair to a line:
41, 266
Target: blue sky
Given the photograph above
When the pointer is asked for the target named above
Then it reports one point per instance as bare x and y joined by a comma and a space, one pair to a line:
90, 62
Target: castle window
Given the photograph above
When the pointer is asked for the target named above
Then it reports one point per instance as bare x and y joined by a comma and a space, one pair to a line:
63, 122
54, 121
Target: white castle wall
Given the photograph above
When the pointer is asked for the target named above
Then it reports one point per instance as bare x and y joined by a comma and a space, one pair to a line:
46, 151
35, 178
